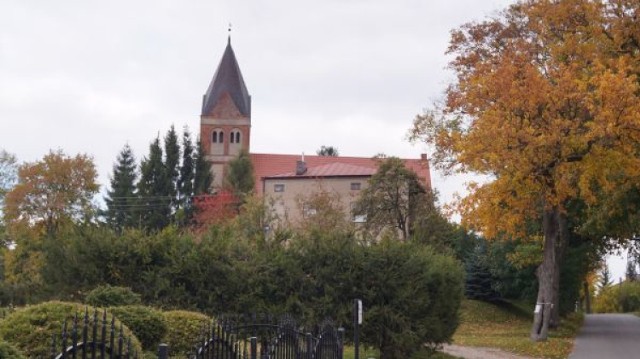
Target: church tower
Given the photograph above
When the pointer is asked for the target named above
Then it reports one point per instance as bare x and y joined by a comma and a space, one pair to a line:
225, 122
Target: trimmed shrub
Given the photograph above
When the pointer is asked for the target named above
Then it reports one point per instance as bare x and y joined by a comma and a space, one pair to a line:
108, 296
184, 331
8, 351
30, 329
148, 324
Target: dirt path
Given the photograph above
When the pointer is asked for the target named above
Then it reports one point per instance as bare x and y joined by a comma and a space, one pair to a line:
480, 353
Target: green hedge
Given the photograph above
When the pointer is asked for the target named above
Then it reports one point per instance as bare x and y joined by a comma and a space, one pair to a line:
8, 351
148, 324
30, 329
108, 296
184, 331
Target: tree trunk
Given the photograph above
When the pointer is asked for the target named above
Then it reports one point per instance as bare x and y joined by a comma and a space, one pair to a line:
548, 273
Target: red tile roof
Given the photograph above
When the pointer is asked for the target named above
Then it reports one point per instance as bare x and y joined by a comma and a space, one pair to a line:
272, 165
335, 169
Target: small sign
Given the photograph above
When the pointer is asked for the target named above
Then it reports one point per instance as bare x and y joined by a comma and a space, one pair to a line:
359, 311
538, 309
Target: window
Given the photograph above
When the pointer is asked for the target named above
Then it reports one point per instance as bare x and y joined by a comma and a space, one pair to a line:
357, 217
308, 211
355, 186
217, 136
278, 188
234, 137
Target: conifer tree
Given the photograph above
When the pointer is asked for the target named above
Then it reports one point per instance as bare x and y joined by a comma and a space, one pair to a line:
605, 278
478, 284
185, 181
172, 162
202, 177
239, 178
152, 190
632, 273
121, 198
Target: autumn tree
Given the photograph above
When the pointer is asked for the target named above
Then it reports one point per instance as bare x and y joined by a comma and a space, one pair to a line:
545, 105
52, 191
8, 173
8, 178
392, 198
121, 198
328, 151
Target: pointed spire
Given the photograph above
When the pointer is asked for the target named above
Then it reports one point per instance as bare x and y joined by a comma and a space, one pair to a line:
227, 79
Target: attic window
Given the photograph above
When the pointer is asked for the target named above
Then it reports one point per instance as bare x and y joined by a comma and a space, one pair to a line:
355, 186
278, 188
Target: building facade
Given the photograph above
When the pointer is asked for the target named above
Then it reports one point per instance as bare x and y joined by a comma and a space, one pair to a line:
225, 130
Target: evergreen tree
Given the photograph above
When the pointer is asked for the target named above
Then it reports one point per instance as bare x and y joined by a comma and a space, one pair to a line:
239, 176
632, 273
202, 177
152, 189
121, 198
329, 151
172, 162
605, 278
479, 280
185, 181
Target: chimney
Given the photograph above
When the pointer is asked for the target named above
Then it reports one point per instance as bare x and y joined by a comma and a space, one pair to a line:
301, 168
423, 156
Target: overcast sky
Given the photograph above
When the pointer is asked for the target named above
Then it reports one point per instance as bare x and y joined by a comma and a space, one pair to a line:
90, 76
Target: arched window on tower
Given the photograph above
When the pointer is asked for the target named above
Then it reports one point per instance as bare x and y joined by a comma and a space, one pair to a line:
221, 137
238, 137
214, 137
232, 137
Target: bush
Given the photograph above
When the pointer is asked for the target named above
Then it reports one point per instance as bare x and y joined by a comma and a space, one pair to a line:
30, 329
184, 331
619, 298
108, 296
629, 297
148, 324
7, 351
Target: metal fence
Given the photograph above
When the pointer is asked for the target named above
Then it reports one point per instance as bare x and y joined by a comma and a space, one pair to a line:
253, 338
92, 337
230, 337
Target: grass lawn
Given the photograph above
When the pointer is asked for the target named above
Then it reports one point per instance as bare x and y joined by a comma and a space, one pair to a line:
507, 327
372, 353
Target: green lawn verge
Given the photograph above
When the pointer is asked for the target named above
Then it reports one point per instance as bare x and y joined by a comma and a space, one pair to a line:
373, 353
506, 326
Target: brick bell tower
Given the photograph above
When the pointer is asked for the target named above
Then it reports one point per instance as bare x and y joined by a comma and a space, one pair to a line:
225, 122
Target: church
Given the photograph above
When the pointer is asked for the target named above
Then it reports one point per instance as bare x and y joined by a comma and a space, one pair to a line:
225, 130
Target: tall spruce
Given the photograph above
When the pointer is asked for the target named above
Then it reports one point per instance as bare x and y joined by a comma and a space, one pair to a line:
202, 177
121, 198
479, 280
185, 181
172, 163
154, 198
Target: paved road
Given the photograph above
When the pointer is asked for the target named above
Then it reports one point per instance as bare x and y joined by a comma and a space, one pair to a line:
608, 336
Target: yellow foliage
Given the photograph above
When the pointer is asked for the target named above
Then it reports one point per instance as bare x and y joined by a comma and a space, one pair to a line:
543, 107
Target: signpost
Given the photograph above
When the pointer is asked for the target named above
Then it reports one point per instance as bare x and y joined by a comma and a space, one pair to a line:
357, 321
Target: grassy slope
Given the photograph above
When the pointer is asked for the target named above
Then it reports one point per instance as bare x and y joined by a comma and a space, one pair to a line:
507, 327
